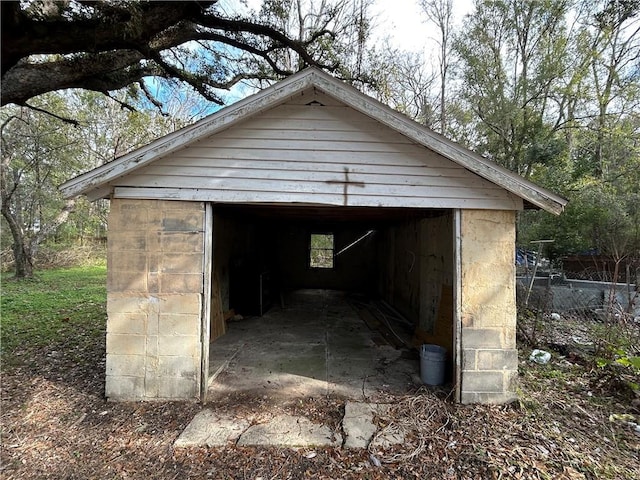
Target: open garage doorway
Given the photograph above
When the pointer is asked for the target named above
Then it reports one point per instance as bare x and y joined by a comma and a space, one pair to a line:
312, 300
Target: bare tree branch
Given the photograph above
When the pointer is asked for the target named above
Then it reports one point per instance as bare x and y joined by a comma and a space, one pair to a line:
71, 121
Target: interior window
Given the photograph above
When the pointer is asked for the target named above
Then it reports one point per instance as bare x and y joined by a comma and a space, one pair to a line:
321, 250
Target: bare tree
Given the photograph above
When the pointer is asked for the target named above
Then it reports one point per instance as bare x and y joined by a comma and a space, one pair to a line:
440, 13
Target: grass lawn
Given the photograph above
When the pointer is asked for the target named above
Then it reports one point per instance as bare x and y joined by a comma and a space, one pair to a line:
572, 421
58, 308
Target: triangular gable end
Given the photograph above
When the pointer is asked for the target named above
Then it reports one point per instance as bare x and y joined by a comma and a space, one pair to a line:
98, 182
313, 149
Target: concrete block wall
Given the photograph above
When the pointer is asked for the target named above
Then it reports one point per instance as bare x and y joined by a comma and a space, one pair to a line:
154, 299
488, 307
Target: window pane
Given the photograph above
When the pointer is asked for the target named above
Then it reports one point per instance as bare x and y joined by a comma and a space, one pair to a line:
321, 251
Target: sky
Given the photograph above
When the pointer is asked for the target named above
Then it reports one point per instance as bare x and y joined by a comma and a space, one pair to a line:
402, 20
406, 24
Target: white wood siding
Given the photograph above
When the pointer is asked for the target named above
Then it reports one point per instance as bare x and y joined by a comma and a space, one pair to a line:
305, 153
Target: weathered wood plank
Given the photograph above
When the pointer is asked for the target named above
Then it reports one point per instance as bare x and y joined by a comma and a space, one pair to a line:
305, 144
413, 159
333, 186
208, 166
238, 112
349, 129
297, 133
440, 177
481, 166
304, 198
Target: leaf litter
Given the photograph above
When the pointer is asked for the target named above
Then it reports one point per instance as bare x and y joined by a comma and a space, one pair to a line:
570, 422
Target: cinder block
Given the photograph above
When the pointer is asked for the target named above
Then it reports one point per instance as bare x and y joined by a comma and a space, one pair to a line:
176, 324
182, 346
154, 238
509, 337
184, 222
153, 282
467, 318
184, 367
154, 261
124, 388
152, 349
477, 338
178, 388
125, 344
127, 323
494, 398
125, 365
118, 241
181, 263
182, 303
512, 380
181, 283
182, 242
469, 361
128, 261
118, 302
184, 205
496, 315
497, 360
128, 218
135, 204
123, 281
153, 327
479, 381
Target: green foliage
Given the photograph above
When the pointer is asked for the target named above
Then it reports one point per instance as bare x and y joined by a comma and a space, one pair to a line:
40, 152
513, 56
559, 106
37, 312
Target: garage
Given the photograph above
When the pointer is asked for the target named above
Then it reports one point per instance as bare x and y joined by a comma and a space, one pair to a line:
308, 184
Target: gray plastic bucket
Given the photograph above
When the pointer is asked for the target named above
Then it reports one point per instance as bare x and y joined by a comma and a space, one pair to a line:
432, 364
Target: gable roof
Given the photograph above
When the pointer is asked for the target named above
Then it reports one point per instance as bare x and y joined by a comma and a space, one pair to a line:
95, 183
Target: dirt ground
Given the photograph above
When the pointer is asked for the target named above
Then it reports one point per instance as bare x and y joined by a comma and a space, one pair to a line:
571, 422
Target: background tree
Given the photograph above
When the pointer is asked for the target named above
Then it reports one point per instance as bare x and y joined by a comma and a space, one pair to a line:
105, 46
40, 152
403, 83
600, 173
348, 21
32, 150
512, 54
440, 14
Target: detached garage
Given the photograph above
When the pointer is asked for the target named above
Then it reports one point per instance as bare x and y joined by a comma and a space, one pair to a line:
307, 184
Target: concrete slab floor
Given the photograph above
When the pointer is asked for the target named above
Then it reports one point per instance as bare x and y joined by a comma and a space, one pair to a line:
315, 345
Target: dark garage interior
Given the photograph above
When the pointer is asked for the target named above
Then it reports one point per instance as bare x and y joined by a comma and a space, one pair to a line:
402, 257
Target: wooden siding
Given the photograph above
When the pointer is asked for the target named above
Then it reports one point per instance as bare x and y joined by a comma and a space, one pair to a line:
314, 150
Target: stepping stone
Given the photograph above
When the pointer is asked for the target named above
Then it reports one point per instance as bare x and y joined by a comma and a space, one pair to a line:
290, 431
209, 429
358, 425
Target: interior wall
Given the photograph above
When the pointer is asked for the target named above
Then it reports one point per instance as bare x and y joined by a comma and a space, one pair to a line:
416, 275
249, 249
436, 280
244, 250
353, 270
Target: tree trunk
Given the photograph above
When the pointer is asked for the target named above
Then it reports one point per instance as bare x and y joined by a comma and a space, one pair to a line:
21, 252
